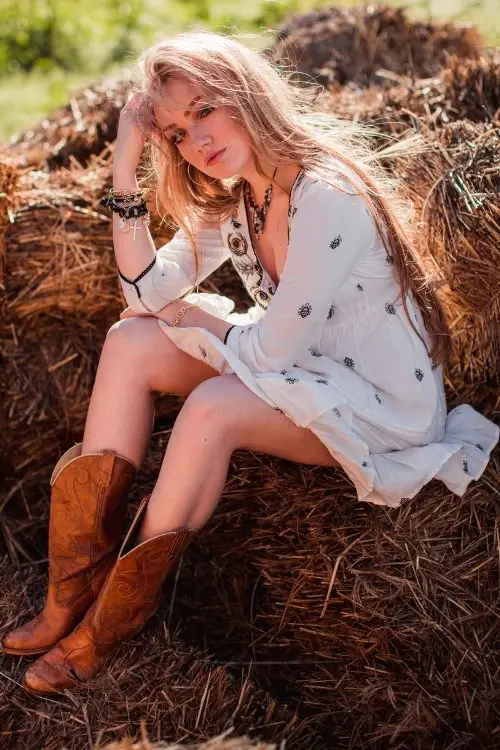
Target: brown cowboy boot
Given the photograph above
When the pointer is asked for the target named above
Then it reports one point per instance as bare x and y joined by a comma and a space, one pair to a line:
129, 597
87, 521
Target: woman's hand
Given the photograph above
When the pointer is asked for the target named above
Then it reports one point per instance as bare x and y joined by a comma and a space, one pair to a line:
130, 139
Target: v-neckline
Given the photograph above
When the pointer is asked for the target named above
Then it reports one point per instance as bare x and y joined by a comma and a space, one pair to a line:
246, 226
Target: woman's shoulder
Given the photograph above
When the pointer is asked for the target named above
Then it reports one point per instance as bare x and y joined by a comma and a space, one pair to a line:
334, 174
336, 189
332, 203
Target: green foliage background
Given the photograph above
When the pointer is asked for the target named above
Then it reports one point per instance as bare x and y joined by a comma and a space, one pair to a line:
50, 48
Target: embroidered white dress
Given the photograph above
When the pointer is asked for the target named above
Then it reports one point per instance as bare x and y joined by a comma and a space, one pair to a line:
330, 346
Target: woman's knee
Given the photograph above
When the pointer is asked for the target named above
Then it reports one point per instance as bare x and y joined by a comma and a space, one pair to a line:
214, 403
132, 337
136, 346
152, 357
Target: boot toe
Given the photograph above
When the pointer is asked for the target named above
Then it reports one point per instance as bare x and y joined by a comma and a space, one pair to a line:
20, 641
45, 677
12, 640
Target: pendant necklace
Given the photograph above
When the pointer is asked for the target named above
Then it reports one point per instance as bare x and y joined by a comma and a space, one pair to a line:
258, 213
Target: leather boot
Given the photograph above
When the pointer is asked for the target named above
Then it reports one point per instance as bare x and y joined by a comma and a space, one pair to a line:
87, 521
129, 597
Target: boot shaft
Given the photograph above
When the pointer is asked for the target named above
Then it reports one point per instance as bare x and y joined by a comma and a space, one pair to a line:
132, 590
87, 518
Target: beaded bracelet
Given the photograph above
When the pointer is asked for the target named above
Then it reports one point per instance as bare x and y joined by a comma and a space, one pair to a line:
126, 211
140, 193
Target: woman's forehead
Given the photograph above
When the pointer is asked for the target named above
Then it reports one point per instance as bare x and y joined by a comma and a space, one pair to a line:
177, 96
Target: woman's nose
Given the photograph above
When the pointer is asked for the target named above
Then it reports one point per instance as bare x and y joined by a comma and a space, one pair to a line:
200, 137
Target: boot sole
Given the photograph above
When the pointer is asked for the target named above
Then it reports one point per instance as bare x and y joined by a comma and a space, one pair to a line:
40, 694
19, 652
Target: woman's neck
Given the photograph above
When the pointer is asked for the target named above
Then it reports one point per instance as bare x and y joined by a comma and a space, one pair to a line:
283, 180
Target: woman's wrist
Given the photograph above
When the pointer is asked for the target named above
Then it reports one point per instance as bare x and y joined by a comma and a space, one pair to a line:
178, 306
124, 177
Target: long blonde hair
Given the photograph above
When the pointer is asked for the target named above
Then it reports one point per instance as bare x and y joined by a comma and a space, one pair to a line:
284, 128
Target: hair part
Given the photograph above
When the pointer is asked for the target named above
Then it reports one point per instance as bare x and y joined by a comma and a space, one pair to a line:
284, 128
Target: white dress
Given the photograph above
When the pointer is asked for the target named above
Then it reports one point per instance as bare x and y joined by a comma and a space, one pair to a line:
330, 346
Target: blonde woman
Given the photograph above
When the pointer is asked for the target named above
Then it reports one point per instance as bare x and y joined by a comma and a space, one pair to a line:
337, 363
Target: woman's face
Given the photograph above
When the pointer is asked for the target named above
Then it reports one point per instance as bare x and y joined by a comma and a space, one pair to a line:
199, 133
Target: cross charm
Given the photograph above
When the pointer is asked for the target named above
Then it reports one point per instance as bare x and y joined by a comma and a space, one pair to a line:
135, 227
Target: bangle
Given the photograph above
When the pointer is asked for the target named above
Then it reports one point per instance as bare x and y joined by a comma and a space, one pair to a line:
227, 334
180, 314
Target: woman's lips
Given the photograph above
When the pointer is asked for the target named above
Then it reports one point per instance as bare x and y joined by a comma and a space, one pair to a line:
216, 157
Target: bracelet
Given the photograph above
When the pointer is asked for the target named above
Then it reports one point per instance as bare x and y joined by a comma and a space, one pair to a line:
179, 315
126, 228
127, 210
139, 193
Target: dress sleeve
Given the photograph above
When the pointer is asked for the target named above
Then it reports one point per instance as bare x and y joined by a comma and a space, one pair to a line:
172, 272
330, 232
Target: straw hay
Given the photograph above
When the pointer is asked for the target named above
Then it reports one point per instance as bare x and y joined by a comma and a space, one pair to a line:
158, 688
380, 622
86, 125
464, 89
377, 627
340, 45
456, 188
374, 625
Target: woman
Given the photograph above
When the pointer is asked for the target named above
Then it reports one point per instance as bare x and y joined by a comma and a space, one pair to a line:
338, 362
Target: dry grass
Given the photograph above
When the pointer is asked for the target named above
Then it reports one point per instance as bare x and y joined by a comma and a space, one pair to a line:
336, 46
377, 628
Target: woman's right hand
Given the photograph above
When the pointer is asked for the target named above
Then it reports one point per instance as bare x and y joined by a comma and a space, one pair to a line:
130, 139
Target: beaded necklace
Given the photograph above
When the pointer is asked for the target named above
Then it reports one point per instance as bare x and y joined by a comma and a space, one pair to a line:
258, 213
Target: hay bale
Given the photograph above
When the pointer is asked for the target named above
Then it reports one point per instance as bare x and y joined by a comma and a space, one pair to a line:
154, 686
377, 622
340, 45
367, 621
455, 185
69, 135
465, 89
453, 179
9, 177
60, 255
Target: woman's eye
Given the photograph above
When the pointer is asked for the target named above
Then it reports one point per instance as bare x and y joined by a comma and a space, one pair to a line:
205, 109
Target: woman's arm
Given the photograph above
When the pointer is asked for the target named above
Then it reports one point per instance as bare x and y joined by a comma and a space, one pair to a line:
152, 279
132, 256
194, 317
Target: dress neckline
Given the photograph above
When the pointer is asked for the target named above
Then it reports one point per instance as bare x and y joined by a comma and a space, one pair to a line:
246, 226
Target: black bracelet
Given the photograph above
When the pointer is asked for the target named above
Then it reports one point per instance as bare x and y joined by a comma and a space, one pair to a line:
131, 212
227, 334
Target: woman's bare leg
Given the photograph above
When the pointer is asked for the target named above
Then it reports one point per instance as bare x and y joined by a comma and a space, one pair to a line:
137, 361
219, 417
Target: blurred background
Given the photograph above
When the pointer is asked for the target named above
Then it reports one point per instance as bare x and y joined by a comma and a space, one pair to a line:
49, 49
